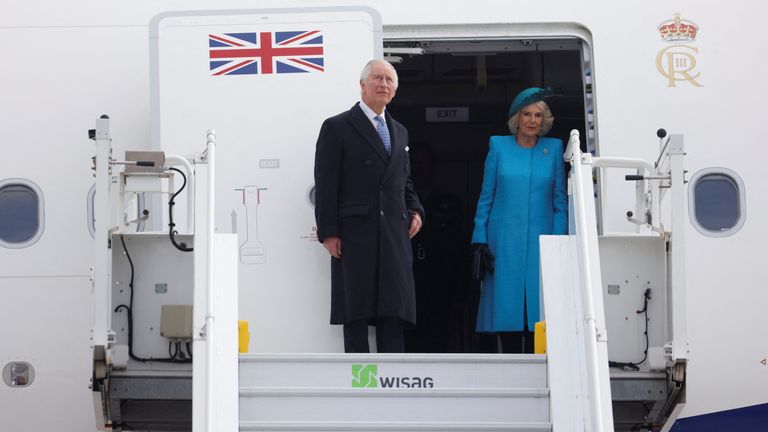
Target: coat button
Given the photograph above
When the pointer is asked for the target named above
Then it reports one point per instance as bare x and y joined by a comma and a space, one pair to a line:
381, 212
368, 162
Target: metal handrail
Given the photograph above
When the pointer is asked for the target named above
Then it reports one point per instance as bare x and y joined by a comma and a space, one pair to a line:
649, 174
574, 156
171, 160
210, 319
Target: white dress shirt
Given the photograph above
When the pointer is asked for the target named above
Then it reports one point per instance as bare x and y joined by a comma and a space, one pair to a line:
371, 114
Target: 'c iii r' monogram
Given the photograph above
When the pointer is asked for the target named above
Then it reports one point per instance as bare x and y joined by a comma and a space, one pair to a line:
677, 65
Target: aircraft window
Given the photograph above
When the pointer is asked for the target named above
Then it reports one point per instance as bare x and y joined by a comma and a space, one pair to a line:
21, 213
716, 202
18, 374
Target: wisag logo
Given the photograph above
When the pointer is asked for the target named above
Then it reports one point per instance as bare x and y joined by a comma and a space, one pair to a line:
367, 376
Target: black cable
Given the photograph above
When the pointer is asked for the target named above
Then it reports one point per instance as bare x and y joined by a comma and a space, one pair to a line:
129, 307
129, 310
647, 408
641, 426
631, 365
172, 232
188, 345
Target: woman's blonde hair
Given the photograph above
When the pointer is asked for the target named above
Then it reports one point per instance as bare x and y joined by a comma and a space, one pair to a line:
546, 124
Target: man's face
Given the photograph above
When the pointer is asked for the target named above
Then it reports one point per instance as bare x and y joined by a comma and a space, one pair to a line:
378, 88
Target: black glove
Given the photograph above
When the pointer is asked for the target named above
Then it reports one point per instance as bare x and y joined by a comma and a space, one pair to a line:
482, 260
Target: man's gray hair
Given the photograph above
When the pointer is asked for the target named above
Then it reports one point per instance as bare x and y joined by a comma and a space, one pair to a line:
367, 69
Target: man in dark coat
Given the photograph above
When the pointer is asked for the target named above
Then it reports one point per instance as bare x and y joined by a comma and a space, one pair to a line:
366, 213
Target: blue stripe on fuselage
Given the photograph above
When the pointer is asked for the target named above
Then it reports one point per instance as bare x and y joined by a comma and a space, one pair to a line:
748, 419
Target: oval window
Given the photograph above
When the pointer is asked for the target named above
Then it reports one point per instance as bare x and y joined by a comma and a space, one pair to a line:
21, 213
18, 374
716, 202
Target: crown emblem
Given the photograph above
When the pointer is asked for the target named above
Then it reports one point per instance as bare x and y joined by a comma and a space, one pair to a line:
678, 30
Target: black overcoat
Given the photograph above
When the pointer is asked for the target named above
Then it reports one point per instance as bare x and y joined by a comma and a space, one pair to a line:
366, 198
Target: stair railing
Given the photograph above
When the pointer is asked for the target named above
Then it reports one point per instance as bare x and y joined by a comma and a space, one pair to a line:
596, 340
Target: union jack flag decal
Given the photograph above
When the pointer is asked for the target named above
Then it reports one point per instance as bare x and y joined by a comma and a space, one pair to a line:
266, 52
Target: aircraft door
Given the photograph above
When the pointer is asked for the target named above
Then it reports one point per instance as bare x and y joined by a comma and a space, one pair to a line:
265, 81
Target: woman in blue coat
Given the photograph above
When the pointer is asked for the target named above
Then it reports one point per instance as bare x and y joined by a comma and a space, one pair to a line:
523, 197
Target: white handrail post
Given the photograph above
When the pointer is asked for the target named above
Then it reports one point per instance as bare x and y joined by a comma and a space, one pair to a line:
591, 286
101, 272
677, 248
210, 320
203, 415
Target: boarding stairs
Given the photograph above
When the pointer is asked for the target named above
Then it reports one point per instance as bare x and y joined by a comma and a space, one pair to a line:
571, 388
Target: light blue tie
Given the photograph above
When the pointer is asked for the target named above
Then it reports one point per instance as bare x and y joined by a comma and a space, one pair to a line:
381, 128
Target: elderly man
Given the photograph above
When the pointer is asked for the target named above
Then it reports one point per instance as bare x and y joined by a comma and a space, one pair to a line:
366, 212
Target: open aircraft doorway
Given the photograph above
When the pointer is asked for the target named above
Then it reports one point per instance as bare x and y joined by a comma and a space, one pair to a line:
452, 96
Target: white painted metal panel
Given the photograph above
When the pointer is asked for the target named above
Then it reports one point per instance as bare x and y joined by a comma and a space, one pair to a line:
162, 276
566, 353
404, 392
49, 333
224, 394
630, 265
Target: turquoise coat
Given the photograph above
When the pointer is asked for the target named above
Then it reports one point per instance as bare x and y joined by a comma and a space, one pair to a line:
523, 196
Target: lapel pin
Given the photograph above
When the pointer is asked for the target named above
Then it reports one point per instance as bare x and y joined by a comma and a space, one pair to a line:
546, 151
407, 148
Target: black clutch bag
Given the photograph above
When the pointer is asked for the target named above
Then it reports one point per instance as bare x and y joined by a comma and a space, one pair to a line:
477, 265
482, 260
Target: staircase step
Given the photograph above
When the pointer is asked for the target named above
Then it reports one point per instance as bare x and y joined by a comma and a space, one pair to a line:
394, 392
443, 370
395, 426
386, 405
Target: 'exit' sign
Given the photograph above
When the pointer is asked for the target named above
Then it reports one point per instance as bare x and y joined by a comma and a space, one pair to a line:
448, 114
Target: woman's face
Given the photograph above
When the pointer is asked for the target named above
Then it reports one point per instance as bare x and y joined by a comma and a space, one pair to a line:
530, 120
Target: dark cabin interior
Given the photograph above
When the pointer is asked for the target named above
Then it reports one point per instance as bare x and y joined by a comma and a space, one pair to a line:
447, 163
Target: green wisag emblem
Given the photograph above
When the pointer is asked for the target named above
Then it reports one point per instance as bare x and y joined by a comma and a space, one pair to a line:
365, 375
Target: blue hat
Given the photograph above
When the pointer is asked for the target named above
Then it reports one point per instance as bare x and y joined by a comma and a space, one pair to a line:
529, 96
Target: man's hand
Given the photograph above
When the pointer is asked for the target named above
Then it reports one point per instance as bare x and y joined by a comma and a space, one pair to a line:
415, 224
333, 246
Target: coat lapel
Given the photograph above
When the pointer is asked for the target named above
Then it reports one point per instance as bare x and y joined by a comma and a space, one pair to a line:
364, 127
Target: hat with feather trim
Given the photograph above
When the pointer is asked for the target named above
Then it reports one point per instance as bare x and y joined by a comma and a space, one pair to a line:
529, 96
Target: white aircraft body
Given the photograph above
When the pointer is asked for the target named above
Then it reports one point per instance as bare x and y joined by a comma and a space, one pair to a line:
662, 271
